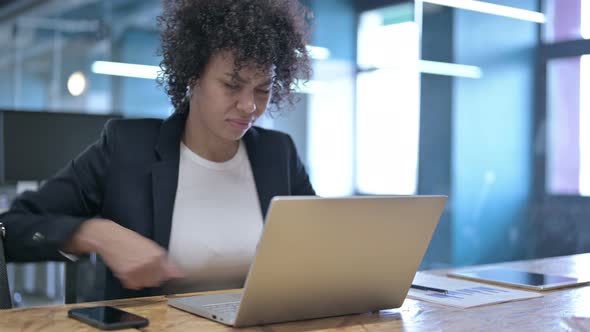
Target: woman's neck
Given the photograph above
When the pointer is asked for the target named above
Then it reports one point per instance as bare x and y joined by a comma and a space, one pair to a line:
203, 142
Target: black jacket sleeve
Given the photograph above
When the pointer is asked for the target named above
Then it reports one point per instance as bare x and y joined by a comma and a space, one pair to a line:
38, 224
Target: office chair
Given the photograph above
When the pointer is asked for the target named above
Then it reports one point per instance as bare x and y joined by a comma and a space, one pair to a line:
84, 280
5, 299
71, 283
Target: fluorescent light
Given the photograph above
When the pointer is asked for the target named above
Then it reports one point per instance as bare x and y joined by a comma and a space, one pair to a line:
436, 68
449, 69
125, 69
490, 8
318, 53
151, 72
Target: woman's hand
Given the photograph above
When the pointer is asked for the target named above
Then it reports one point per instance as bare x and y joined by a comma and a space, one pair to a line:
138, 262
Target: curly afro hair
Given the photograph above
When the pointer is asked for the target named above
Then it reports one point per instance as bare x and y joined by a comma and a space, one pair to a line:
258, 32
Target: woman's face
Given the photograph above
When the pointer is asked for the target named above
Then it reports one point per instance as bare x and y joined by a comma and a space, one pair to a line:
226, 104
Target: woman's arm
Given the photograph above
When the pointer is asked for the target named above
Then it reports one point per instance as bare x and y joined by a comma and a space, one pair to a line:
40, 223
136, 261
60, 217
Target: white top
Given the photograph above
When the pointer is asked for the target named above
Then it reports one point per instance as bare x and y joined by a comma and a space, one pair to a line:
216, 223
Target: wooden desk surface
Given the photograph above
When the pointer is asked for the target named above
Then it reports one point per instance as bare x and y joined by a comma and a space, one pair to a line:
540, 314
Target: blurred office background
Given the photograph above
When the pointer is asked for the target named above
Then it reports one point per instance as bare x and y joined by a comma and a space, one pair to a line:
486, 102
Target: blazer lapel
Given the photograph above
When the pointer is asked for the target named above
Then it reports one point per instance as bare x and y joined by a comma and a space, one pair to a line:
260, 169
165, 176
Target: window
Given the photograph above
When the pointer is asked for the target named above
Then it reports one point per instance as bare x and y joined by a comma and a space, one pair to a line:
566, 20
388, 102
565, 56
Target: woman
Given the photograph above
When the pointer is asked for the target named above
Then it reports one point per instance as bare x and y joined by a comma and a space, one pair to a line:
178, 205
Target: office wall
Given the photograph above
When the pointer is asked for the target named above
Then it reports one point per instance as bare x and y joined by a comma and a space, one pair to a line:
491, 143
436, 100
6, 89
295, 122
32, 95
335, 27
140, 97
331, 106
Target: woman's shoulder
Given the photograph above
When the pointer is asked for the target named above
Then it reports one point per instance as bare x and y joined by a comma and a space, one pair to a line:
125, 129
144, 125
133, 134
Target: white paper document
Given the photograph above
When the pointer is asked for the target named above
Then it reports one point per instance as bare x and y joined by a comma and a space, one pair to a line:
463, 293
576, 323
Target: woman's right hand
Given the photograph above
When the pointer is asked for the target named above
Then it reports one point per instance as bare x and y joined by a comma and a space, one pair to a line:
136, 261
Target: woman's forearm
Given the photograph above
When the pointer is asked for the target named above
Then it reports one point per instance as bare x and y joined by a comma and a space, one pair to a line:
90, 237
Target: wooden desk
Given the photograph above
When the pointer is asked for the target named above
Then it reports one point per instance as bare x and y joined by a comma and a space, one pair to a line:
541, 314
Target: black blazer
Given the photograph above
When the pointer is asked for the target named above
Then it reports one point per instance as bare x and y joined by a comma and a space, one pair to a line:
130, 176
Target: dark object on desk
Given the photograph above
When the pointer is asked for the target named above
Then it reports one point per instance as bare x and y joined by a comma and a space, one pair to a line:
5, 300
524, 279
35, 145
430, 289
108, 318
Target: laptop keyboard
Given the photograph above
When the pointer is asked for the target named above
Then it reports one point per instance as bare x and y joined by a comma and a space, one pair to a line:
223, 308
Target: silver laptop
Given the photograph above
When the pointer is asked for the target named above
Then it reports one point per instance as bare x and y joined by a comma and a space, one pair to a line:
321, 257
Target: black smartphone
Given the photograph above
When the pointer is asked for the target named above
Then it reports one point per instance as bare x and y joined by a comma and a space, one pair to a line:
108, 318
